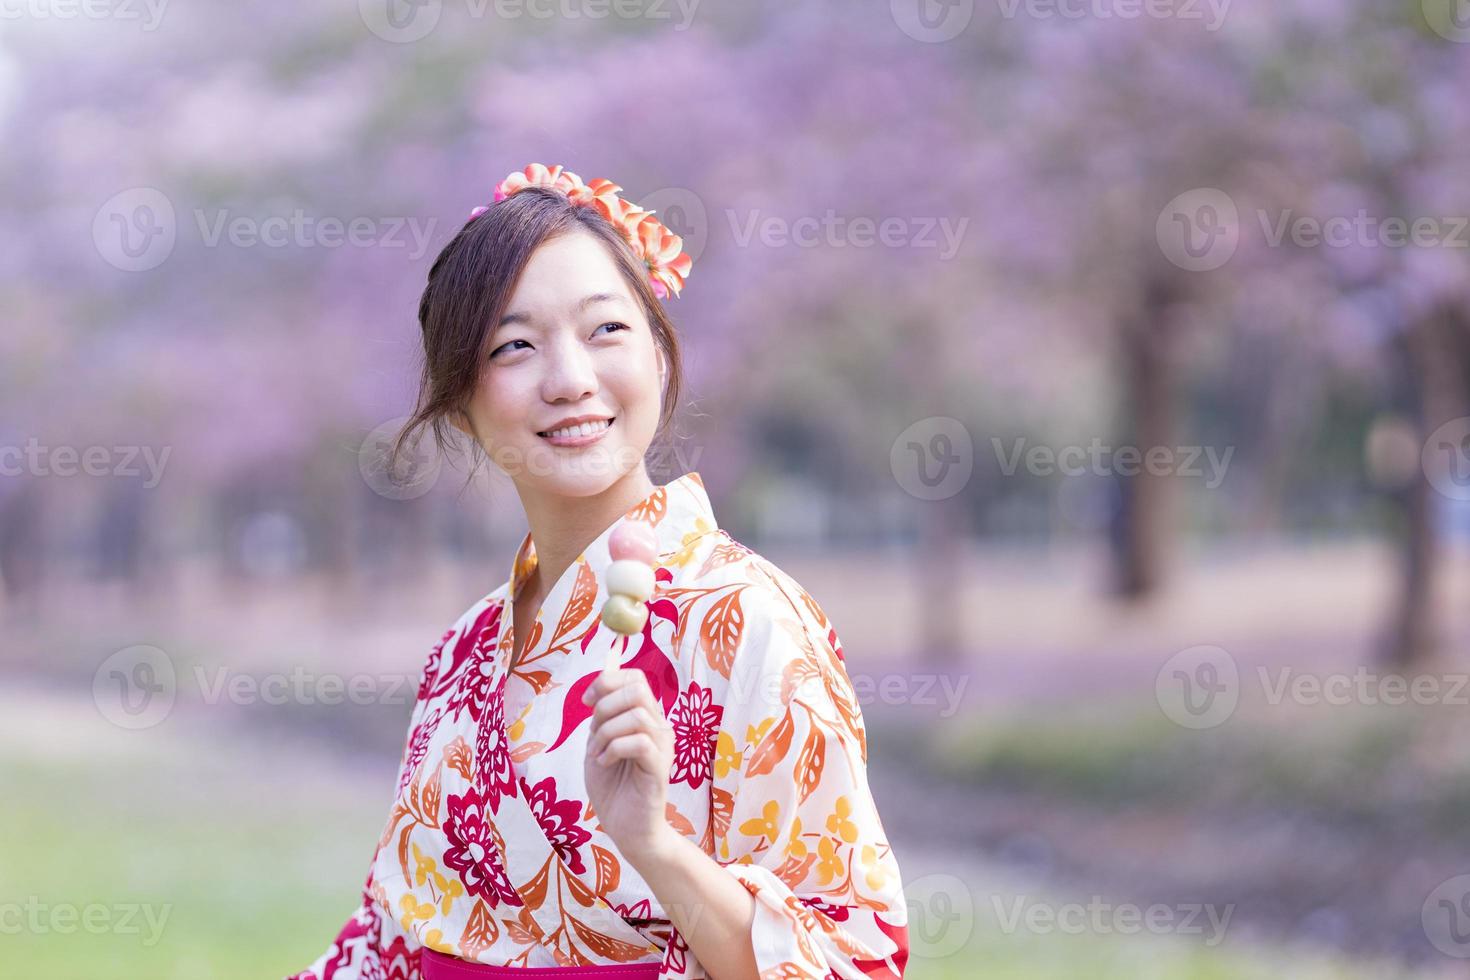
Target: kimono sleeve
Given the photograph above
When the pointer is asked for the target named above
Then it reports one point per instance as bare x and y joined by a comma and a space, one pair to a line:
794, 820
371, 945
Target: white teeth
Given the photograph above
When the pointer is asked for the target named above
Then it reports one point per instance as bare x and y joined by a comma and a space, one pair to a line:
585, 429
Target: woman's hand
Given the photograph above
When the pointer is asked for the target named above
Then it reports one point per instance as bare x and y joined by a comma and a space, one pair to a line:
630, 752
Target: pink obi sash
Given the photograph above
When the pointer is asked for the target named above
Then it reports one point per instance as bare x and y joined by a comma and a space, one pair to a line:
437, 966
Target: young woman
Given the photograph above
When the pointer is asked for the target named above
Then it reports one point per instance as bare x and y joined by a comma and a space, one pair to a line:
701, 809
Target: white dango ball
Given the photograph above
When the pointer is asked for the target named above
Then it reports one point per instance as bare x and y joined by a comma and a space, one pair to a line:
631, 578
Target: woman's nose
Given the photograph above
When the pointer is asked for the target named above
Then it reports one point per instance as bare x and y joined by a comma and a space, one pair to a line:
570, 375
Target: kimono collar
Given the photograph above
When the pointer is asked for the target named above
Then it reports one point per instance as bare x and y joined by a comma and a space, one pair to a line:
679, 511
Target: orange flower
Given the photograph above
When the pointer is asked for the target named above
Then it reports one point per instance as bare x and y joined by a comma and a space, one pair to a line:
660, 249
538, 175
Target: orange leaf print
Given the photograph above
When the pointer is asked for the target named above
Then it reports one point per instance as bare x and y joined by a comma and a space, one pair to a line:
430, 799
810, 760
773, 747
606, 946
722, 808
480, 932
584, 594
457, 755
719, 633
534, 893
525, 750
677, 820
523, 929
652, 509
579, 890
722, 555
608, 869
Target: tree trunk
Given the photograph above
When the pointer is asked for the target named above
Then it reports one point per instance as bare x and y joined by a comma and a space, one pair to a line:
1434, 351
1141, 522
943, 548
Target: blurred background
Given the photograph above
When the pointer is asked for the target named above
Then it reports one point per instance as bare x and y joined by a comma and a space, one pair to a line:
1101, 366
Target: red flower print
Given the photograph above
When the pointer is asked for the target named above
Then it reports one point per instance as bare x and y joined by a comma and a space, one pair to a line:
493, 774
558, 820
400, 962
418, 747
837, 913
473, 853
696, 721
431, 667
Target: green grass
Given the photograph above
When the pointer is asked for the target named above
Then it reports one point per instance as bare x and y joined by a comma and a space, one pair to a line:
255, 849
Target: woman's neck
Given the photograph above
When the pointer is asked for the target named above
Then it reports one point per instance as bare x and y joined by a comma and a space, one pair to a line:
563, 527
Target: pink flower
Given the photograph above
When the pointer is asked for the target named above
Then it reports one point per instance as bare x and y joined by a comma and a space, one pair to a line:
696, 721
474, 853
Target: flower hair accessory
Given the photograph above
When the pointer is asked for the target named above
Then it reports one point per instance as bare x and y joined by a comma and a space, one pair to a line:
660, 249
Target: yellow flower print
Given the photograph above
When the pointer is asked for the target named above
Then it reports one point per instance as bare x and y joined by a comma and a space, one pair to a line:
840, 825
412, 910
829, 864
727, 759
423, 866
753, 734
795, 846
875, 873
434, 939
685, 554
454, 889
764, 825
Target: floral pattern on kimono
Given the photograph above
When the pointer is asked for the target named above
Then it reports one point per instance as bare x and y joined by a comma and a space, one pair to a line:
491, 852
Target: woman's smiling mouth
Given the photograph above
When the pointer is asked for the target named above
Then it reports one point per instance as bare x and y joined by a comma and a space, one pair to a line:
573, 436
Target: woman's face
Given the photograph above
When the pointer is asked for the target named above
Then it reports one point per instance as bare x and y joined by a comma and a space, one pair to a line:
573, 342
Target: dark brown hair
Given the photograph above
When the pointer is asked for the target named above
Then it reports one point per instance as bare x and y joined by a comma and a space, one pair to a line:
470, 285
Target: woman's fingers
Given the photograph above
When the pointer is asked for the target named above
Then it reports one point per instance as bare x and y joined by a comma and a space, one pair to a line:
635, 719
613, 694
639, 747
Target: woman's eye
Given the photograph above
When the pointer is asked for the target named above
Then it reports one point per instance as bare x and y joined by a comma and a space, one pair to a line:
506, 346
615, 324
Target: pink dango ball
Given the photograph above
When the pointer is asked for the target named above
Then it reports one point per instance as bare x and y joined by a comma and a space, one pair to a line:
633, 541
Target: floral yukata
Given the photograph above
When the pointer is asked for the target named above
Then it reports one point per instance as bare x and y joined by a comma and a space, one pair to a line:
491, 852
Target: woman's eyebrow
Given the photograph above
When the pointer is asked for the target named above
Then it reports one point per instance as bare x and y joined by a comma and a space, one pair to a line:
581, 305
